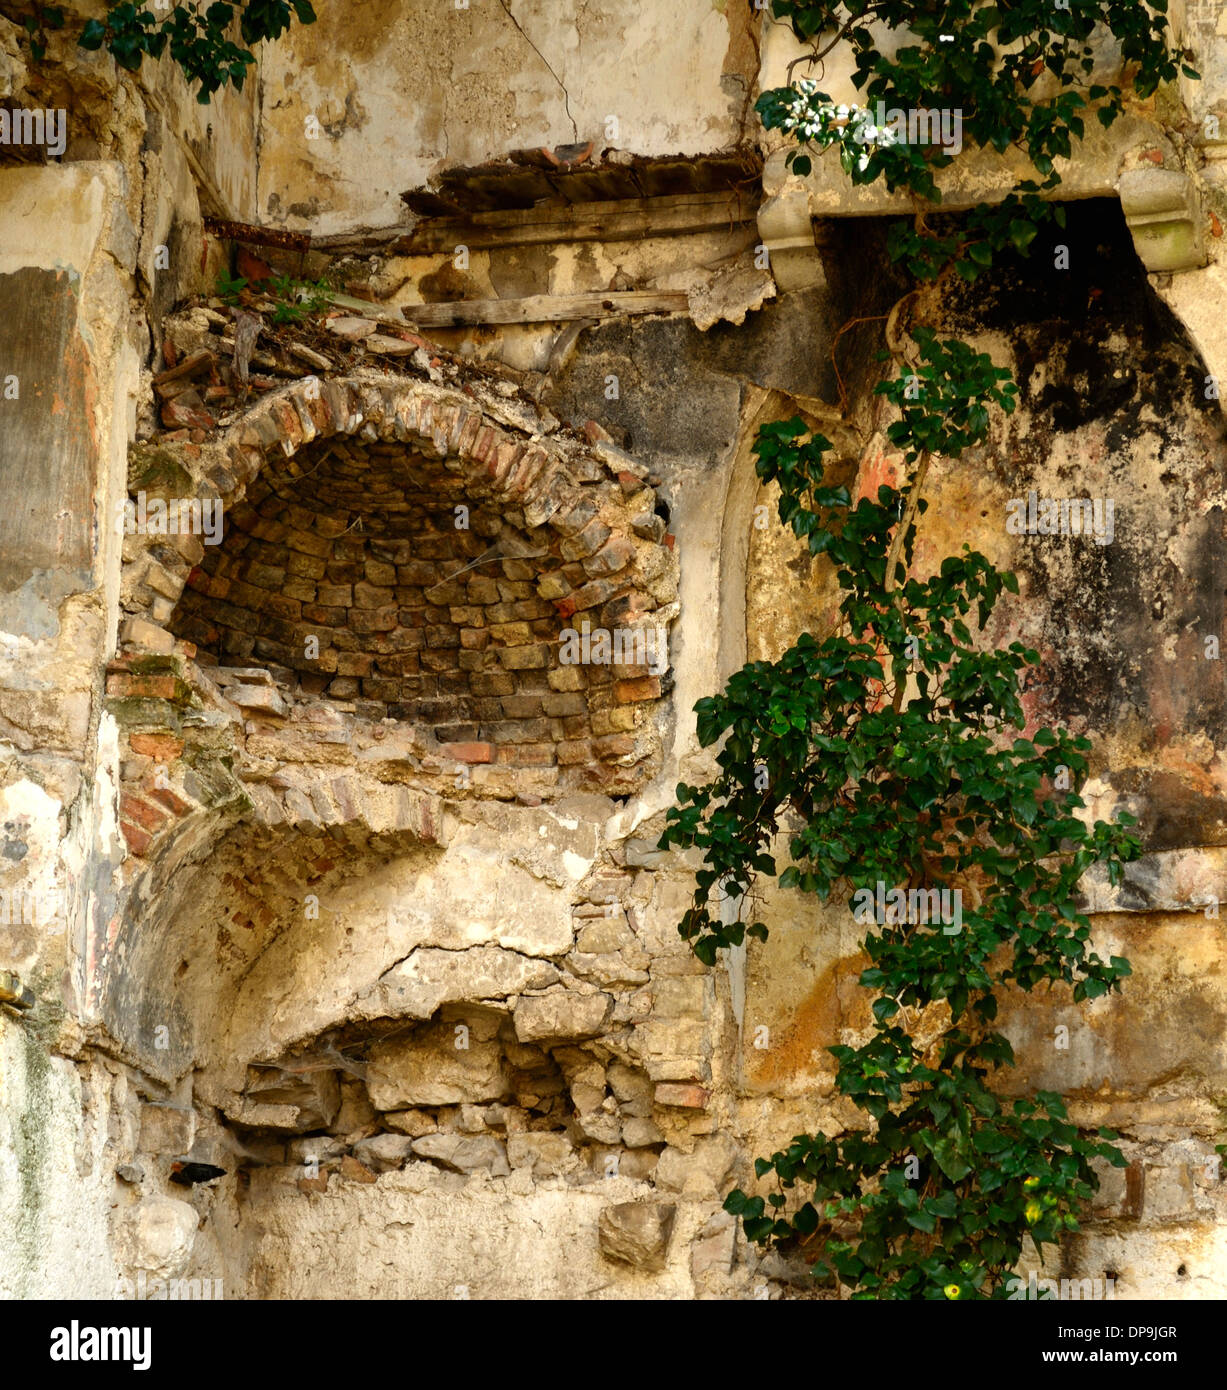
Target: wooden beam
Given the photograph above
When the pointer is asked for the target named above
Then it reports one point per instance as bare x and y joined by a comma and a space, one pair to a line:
546, 308
625, 220
358, 241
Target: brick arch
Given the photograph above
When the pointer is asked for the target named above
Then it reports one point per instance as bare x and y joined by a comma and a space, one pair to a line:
586, 508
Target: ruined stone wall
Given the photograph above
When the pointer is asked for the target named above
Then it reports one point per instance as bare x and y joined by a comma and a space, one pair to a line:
351, 879
487, 78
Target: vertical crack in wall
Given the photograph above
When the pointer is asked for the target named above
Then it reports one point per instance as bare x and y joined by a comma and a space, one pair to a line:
566, 100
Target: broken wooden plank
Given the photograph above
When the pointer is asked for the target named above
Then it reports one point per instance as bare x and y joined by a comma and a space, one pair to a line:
624, 220
548, 308
508, 183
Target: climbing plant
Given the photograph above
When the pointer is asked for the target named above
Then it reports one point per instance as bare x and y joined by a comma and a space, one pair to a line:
199, 37
885, 755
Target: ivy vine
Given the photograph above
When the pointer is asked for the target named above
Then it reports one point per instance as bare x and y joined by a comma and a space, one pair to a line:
199, 38
885, 754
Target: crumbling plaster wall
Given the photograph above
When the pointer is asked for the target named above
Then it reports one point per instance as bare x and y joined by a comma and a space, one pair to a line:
483, 79
94, 249
1114, 406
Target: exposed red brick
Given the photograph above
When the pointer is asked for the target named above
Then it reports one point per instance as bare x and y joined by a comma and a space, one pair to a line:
135, 809
575, 751
633, 691
588, 541
528, 755
484, 445
186, 412
468, 433
469, 752
289, 426
614, 746
504, 460
614, 555
138, 840
164, 747
684, 1094
626, 608
596, 592
167, 797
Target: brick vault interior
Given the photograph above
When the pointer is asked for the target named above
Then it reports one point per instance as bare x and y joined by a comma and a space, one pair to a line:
366, 574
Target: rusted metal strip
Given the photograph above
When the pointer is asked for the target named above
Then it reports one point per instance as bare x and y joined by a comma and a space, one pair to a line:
258, 236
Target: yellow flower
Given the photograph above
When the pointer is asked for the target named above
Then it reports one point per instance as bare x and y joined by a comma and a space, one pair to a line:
1033, 1212
1031, 1184
952, 1291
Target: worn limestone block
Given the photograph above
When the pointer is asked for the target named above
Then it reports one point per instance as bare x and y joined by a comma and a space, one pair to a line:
600, 1127
1164, 216
465, 1154
167, 1129
633, 1088
158, 1235
712, 1250
702, 1173
431, 977
1168, 1192
414, 1123
384, 1152
259, 698
315, 1096
637, 1233
439, 1065
547, 1155
562, 1014
640, 1133
349, 328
